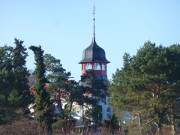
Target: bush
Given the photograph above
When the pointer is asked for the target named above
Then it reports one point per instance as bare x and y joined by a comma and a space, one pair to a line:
20, 126
58, 125
113, 123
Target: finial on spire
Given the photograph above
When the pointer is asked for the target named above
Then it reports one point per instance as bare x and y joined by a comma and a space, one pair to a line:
94, 22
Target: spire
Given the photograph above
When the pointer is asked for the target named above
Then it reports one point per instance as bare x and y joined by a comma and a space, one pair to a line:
94, 23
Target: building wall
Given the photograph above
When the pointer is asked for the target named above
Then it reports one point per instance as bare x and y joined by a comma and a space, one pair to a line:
80, 110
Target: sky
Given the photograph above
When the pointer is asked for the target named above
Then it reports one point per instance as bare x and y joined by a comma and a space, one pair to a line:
64, 28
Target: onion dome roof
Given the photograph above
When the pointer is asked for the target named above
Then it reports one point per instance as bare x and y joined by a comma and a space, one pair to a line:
94, 53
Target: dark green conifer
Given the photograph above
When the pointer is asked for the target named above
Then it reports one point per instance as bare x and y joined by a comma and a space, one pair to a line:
6, 72
43, 108
95, 88
56, 75
6, 80
20, 96
147, 85
112, 124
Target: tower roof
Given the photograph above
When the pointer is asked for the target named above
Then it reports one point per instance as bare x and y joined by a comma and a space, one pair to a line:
94, 53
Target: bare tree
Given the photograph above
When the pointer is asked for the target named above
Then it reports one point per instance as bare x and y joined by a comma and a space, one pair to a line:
31, 78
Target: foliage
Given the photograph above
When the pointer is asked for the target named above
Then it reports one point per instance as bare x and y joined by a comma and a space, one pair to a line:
6, 72
20, 126
90, 86
77, 95
20, 91
7, 114
13, 77
57, 76
6, 79
147, 84
42, 98
58, 125
113, 123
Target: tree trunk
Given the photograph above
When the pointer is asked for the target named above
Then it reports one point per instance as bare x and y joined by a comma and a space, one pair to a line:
59, 100
173, 126
173, 130
159, 129
140, 125
71, 105
83, 112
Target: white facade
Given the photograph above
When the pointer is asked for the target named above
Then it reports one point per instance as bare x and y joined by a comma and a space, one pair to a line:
80, 111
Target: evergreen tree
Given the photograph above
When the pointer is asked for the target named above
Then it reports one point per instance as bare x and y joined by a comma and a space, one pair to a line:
6, 79
76, 96
57, 76
20, 96
13, 77
147, 83
43, 108
112, 124
96, 89
6, 72
173, 56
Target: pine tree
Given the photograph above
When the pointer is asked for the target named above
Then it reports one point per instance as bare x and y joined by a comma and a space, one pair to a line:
112, 124
95, 88
6, 72
6, 79
56, 75
42, 99
147, 84
20, 96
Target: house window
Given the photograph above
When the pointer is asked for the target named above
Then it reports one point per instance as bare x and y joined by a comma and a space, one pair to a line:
103, 67
88, 66
96, 66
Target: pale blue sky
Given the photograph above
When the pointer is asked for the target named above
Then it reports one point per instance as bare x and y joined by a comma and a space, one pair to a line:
64, 27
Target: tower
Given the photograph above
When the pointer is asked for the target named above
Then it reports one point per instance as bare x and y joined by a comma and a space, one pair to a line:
94, 58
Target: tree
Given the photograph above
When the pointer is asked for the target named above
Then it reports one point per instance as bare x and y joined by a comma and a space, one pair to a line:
6, 72
91, 85
147, 83
56, 75
173, 95
113, 123
43, 108
31, 79
7, 113
13, 77
76, 96
20, 96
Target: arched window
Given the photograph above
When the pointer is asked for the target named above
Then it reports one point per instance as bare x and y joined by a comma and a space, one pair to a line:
103, 67
88, 66
96, 66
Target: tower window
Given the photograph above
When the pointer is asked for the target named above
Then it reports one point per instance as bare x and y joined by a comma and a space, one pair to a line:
96, 66
88, 66
103, 67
